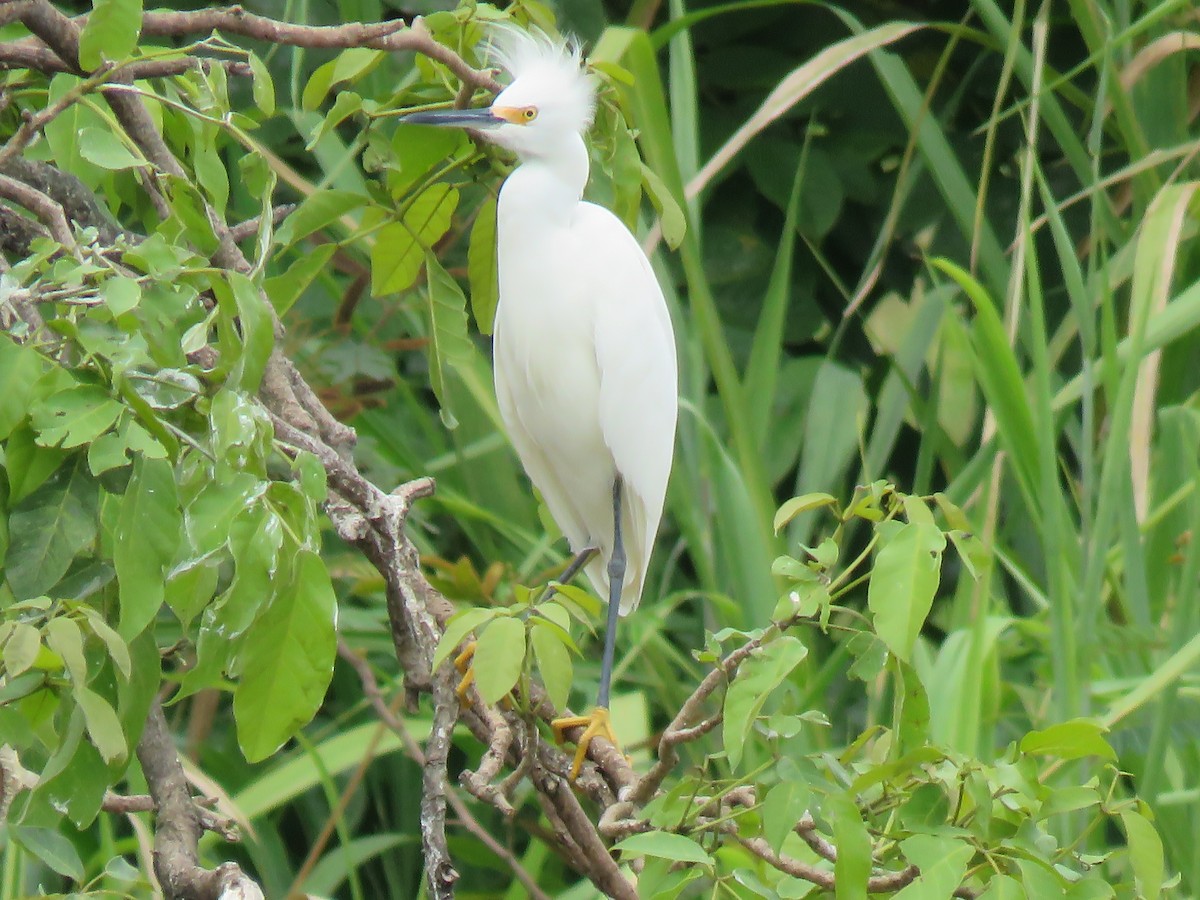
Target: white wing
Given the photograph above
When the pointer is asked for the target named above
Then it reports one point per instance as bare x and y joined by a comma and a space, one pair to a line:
639, 383
586, 380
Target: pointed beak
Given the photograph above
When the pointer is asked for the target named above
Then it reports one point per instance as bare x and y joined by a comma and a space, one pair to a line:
479, 119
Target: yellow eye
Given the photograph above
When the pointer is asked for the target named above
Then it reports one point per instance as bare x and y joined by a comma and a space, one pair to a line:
515, 115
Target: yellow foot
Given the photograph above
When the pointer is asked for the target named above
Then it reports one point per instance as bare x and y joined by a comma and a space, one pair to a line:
462, 662
597, 723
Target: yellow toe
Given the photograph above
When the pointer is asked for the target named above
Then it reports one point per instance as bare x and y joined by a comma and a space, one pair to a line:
598, 722
462, 662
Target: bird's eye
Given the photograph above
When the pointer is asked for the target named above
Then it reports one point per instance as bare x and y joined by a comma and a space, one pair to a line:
529, 113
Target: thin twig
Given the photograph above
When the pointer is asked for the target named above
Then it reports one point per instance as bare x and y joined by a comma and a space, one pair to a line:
392, 36
249, 228
439, 867
387, 715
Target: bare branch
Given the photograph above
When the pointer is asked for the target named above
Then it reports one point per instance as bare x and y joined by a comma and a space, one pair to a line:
249, 228
379, 703
48, 212
18, 232
681, 728
393, 37
439, 868
177, 827
77, 200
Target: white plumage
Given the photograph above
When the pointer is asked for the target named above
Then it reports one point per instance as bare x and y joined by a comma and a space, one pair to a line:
584, 351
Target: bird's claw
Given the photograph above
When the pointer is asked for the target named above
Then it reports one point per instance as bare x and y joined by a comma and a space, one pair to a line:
462, 662
598, 722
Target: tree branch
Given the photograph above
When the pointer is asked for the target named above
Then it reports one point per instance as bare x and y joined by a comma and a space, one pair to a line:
79, 204
379, 703
177, 827
393, 37
49, 213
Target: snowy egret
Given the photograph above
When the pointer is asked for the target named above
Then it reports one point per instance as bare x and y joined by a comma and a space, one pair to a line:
584, 351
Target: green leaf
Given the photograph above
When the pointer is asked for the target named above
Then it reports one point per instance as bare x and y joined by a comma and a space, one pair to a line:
577, 601
284, 290
149, 526
288, 660
481, 267
801, 504
190, 212
77, 790
499, 657
912, 732
64, 638
664, 845
419, 149
853, 866
190, 588
782, 808
317, 87
137, 693
103, 148
347, 104
111, 32
450, 344
118, 650
400, 246
75, 417
942, 861
1145, 853
48, 528
239, 298
756, 678
1003, 887
553, 660
903, 583
318, 211
104, 728
21, 649
674, 223
208, 517
121, 294
458, 628
1040, 880
62, 132
999, 375
261, 85
20, 368
1070, 740
51, 848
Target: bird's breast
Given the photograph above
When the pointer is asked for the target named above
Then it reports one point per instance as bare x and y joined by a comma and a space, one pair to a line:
544, 340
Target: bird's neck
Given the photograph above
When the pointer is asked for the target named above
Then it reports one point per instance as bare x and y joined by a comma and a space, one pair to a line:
549, 183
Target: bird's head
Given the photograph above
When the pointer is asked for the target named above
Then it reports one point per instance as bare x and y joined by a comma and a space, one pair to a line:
550, 96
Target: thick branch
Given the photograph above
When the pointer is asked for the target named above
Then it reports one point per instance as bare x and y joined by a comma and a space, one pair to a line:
76, 199
177, 827
18, 232
48, 212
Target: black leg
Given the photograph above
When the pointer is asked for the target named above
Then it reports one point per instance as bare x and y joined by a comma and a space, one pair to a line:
616, 580
582, 558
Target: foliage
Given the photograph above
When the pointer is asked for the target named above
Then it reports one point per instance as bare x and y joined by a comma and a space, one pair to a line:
931, 514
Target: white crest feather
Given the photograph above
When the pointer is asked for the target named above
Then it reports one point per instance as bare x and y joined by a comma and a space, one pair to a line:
536, 56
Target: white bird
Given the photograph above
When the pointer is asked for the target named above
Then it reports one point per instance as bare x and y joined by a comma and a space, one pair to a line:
584, 352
